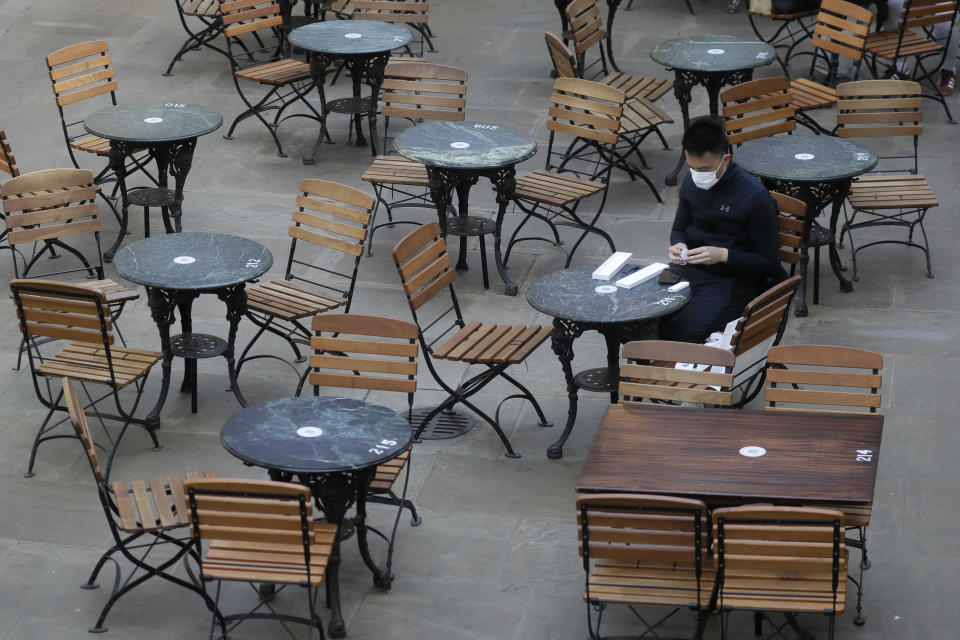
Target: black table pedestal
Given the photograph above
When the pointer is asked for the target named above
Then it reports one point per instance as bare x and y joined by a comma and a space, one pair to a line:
565, 332
175, 157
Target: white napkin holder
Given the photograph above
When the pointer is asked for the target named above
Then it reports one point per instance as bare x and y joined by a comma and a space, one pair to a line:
635, 278
611, 265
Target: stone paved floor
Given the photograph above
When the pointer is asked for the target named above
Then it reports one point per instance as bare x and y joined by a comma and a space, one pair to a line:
496, 556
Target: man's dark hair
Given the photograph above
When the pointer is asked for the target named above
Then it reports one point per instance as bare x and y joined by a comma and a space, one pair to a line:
705, 135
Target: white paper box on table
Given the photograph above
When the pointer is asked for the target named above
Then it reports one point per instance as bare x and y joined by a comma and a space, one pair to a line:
612, 265
635, 278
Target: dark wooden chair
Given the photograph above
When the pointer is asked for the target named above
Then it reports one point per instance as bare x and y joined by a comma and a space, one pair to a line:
330, 221
80, 315
425, 271
258, 54
758, 109
916, 38
412, 13
646, 551
650, 372
584, 122
786, 559
412, 91
792, 30
141, 514
201, 20
791, 216
260, 531
894, 194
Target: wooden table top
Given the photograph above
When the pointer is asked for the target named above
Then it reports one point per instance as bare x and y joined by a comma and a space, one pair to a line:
706, 453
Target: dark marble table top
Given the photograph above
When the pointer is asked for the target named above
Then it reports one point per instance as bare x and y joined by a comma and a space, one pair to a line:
713, 53
350, 37
464, 145
193, 261
800, 158
316, 434
571, 294
160, 122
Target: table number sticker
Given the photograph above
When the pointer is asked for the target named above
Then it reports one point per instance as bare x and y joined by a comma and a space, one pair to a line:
152, 120
184, 259
863, 157
716, 52
804, 156
253, 263
763, 55
753, 451
864, 455
309, 432
175, 105
382, 447
606, 288
398, 38
460, 145
353, 36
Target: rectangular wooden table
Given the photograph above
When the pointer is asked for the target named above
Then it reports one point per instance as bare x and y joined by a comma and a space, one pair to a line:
808, 458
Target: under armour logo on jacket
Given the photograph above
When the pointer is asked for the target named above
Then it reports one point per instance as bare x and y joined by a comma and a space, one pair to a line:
724, 208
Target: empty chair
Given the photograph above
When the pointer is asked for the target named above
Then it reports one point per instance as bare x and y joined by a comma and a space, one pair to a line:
651, 372
758, 109
8, 164
412, 13
793, 30
201, 21
791, 220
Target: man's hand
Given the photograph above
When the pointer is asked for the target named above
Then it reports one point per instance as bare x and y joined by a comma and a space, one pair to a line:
706, 255
675, 253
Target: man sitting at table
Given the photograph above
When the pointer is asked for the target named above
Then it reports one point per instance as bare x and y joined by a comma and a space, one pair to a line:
724, 234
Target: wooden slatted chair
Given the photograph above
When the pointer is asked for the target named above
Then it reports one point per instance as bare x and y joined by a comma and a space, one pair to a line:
758, 109
8, 164
787, 559
651, 372
141, 514
414, 91
258, 54
587, 31
791, 217
588, 116
894, 194
841, 31
835, 379
794, 29
917, 37
328, 231
260, 531
412, 13
204, 14
425, 271
341, 9
376, 354
49, 309
646, 551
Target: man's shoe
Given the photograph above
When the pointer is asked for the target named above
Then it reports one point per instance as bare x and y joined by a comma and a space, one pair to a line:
947, 83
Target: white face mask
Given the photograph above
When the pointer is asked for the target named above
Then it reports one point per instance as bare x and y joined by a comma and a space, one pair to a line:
707, 179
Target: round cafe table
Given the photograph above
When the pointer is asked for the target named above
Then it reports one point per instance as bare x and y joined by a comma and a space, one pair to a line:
332, 445
169, 130
364, 46
456, 155
817, 170
579, 303
175, 269
712, 61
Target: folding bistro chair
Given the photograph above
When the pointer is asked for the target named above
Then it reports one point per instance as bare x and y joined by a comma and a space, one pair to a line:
928, 50
204, 14
895, 195
646, 551
328, 231
834, 379
413, 91
412, 13
257, 50
758, 109
676, 372
376, 354
791, 213
588, 113
48, 309
260, 531
143, 516
425, 270
8, 164
786, 559
794, 29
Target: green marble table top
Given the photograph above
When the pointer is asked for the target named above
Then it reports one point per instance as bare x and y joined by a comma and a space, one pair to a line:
160, 122
350, 37
800, 158
571, 294
192, 261
464, 145
316, 434
713, 53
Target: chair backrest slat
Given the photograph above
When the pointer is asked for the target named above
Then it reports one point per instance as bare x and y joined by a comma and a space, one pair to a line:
78, 418
842, 377
423, 251
418, 90
563, 62
60, 310
586, 25
8, 164
842, 28
758, 109
651, 372
81, 71
926, 13
790, 221
879, 108
765, 316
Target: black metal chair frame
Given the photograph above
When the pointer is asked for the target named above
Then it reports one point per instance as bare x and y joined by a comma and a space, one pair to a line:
211, 30
53, 403
789, 35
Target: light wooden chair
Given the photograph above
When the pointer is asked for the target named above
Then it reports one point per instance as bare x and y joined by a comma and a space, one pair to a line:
141, 514
328, 230
786, 559
894, 194
645, 551
8, 164
791, 218
412, 13
758, 109
794, 30
258, 54
836, 379
650, 373
260, 531
425, 271
201, 21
